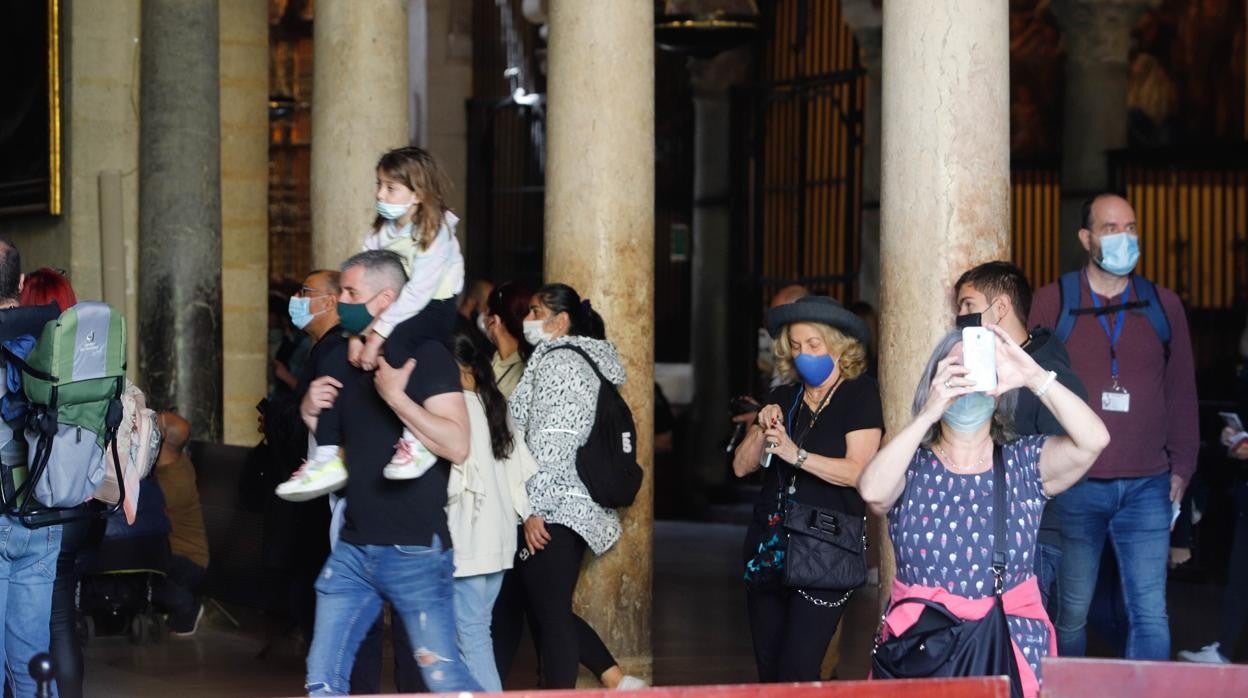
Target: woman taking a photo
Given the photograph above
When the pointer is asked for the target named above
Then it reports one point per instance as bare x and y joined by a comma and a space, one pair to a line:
814, 436
934, 480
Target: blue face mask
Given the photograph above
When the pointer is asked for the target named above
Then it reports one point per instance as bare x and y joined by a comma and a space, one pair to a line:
300, 311
1119, 253
969, 412
392, 211
814, 369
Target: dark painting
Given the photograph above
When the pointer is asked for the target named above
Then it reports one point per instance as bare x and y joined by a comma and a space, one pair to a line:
29, 106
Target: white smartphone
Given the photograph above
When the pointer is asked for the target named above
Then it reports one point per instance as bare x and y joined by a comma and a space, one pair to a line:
979, 355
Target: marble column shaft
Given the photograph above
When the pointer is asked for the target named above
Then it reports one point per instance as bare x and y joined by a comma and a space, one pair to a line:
180, 212
946, 180
1097, 34
712, 257
600, 240
359, 111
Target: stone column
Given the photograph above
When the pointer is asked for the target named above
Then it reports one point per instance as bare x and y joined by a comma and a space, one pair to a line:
359, 111
1098, 38
244, 212
864, 18
600, 240
180, 212
946, 180
712, 257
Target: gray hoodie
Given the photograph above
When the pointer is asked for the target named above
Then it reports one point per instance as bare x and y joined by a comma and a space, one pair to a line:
554, 405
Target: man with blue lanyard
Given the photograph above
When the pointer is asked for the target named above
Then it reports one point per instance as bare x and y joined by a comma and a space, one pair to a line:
1128, 342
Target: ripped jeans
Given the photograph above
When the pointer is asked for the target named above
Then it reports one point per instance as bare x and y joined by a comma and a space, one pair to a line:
417, 581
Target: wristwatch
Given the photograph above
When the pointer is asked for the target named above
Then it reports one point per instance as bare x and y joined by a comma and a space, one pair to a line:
802, 455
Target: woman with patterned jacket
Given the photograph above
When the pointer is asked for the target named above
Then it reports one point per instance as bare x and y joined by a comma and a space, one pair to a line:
554, 406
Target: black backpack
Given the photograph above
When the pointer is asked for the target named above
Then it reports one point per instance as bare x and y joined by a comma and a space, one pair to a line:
607, 462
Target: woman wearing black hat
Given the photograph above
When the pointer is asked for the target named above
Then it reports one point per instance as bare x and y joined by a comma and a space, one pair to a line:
804, 547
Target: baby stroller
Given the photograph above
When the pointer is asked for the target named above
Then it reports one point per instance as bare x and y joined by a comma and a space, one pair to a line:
119, 577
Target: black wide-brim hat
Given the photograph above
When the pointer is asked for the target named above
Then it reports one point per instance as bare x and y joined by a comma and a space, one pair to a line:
822, 309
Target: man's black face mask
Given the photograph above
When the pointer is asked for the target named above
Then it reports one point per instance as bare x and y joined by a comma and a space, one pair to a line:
969, 320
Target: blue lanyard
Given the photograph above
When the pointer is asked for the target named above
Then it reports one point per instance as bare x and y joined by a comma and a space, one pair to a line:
1113, 336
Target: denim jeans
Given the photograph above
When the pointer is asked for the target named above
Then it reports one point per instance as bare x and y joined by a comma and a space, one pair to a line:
474, 609
1134, 514
27, 571
1048, 567
417, 581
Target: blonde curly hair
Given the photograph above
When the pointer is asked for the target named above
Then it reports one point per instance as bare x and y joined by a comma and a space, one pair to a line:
848, 352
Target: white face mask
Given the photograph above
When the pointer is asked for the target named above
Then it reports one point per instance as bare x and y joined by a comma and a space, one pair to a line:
481, 324
392, 211
535, 332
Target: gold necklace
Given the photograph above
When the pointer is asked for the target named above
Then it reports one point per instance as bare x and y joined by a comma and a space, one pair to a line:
949, 461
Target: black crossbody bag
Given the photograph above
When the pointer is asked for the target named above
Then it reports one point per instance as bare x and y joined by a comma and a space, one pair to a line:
825, 547
940, 644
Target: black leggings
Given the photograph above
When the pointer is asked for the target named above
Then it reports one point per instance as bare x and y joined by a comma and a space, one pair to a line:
790, 633
65, 648
540, 587
436, 322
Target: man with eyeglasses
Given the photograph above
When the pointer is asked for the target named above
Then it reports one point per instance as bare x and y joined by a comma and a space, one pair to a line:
291, 543
1128, 342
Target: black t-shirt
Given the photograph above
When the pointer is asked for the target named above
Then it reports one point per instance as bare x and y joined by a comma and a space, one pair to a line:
393, 512
854, 406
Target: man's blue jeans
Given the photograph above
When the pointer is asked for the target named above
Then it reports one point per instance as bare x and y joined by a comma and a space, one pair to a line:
27, 571
417, 581
1134, 514
1048, 568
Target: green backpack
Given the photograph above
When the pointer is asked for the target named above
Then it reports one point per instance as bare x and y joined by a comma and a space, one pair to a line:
73, 380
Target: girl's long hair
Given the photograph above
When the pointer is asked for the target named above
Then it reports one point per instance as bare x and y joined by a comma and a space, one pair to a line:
473, 351
416, 169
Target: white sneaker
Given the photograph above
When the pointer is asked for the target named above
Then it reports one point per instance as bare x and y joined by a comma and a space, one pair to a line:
411, 460
313, 480
631, 683
1209, 654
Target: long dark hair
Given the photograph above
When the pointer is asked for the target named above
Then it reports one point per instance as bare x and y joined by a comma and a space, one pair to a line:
510, 302
584, 320
473, 351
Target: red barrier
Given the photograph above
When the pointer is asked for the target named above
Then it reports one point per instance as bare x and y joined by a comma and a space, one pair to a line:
990, 687
1115, 678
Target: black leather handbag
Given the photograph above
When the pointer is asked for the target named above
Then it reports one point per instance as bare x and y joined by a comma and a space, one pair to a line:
826, 548
940, 644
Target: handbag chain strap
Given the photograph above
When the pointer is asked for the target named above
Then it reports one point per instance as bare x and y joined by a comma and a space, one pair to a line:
827, 604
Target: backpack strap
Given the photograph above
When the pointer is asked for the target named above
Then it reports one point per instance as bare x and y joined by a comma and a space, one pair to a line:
1146, 292
1068, 285
1146, 299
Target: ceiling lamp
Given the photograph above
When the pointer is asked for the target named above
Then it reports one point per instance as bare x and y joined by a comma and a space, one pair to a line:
703, 28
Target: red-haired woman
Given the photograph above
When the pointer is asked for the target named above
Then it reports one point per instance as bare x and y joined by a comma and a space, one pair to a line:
47, 285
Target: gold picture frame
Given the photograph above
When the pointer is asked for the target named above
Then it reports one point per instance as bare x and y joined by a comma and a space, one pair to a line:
30, 115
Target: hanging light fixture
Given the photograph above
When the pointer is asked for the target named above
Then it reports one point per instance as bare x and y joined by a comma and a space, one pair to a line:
703, 28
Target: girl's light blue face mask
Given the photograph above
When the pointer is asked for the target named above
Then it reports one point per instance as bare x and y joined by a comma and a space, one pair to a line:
392, 211
1119, 253
970, 412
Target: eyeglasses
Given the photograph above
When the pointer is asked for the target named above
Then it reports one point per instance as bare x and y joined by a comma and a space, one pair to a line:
308, 291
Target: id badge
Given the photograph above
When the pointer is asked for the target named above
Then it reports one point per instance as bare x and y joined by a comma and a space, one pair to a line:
1116, 399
